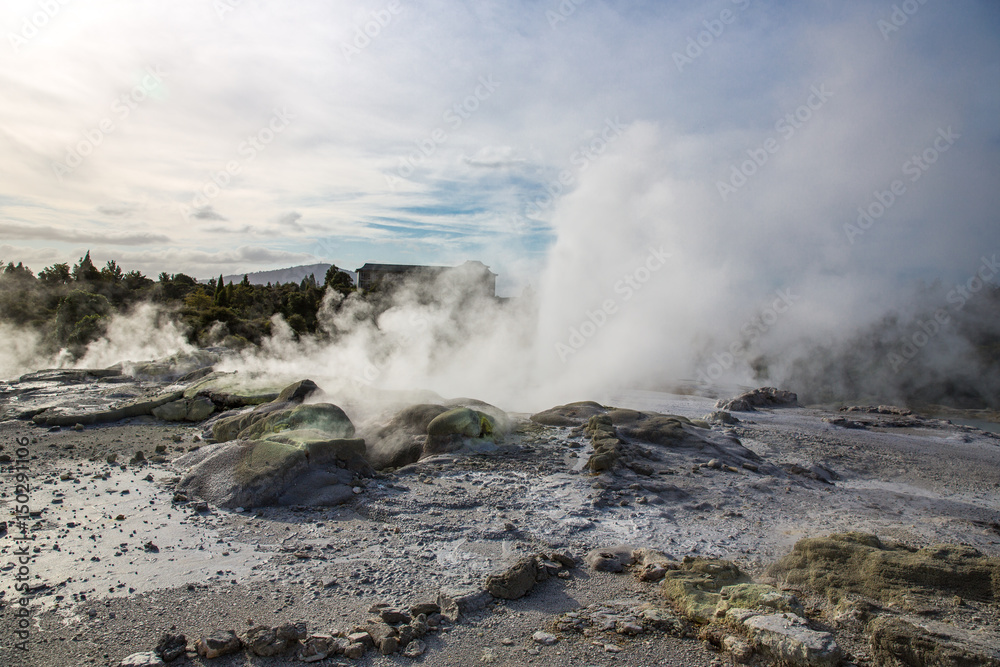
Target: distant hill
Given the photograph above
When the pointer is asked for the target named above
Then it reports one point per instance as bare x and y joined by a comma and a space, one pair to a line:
293, 274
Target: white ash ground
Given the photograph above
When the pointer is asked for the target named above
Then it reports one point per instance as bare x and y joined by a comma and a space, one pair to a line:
449, 520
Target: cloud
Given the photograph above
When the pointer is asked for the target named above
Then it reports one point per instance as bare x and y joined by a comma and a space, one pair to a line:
207, 213
493, 157
291, 220
47, 233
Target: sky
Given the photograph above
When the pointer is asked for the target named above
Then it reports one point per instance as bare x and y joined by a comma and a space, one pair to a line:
829, 145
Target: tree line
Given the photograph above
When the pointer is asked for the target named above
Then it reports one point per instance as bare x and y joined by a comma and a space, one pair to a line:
71, 306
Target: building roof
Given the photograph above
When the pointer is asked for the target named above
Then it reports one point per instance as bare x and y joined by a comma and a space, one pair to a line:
403, 268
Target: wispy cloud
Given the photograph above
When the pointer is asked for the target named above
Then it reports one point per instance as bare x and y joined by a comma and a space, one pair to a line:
46, 233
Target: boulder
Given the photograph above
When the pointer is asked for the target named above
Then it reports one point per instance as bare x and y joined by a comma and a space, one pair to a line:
288, 468
860, 564
694, 588
171, 646
401, 441
610, 559
458, 428
764, 397
515, 581
458, 601
572, 414
895, 641
60, 417
788, 639
757, 596
185, 409
265, 642
219, 642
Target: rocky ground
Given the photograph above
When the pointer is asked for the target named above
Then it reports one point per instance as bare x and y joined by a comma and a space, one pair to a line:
120, 555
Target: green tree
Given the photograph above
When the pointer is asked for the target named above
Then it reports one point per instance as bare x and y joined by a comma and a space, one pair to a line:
85, 271
339, 280
134, 281
112, 273
57, 274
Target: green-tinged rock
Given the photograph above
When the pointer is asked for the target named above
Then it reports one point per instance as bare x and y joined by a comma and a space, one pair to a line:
230, 390
460, 429
757, 596
694, 588
324, 417
401, 441
267, 460
572, 414
55, 417
193, 410
461, 421
174, 411
199, 409
860, 564
899, 643
278, 412
297, 391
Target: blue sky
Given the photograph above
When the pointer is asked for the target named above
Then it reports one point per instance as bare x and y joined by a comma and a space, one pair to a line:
246, 135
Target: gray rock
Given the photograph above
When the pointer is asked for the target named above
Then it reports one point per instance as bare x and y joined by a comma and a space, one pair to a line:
318, 647
415, 649
457, 601
147, 659
219, 642
788, 639
171, 646
174, 411
394, 616
426, 608
721, 417
265, 642
199, 409
764, 397
515, 581
355, 651
544, 638
610, 559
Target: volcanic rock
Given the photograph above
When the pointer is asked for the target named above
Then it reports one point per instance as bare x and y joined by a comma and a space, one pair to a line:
895, 641
515, 581
695, 587
219, 642
860, 564
764, 397
146, 659
789, 640
610, 559
171, 647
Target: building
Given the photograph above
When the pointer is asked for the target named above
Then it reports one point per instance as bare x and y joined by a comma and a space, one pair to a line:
472, 272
